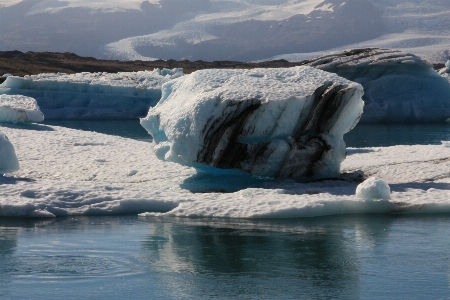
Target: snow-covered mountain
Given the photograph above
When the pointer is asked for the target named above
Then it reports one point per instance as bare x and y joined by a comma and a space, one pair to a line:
224, 29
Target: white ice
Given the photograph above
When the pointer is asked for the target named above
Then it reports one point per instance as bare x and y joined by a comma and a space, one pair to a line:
445, 71
195, 120
8, 158
373, 188
92, 95
70, 172
18, 108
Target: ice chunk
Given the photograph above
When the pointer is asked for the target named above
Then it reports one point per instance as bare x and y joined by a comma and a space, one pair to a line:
373, 188
286, 122
92, 95
18, 108
8, 158
398, 87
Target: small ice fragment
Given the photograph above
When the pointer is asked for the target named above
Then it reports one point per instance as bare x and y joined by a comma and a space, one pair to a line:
8, 158
373, 188
445, 143
18, 108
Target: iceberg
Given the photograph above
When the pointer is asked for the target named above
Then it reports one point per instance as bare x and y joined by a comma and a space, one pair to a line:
286, 122
398, 87
87, 95
18, 108
8, 158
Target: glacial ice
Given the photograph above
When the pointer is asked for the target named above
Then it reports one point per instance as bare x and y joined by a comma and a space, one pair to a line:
286, 122
8, 158
445, 71
398, 87
373, 188
92, 95
64, 172
18, 108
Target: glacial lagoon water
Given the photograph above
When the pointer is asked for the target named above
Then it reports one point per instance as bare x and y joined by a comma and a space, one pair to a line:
131, 257
127, 257
365, 135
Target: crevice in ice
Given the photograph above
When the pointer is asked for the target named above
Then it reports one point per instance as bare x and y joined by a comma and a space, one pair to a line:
231, 125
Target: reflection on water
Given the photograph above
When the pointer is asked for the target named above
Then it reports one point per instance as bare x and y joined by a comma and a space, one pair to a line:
338, 257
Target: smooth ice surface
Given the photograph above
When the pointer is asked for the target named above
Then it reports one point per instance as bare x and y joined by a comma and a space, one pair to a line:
18, 108
92, 95
71, 172
8, 158
398, 87
373, 188
286, 122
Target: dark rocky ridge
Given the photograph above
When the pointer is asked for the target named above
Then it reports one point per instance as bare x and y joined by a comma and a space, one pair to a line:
32, 63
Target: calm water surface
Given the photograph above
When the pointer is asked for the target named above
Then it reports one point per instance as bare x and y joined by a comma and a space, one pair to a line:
340, 257
360, 136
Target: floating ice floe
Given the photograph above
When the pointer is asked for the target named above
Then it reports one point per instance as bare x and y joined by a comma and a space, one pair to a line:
70, 172
18, 108
286, 122
398, 87
92, 95
8, 158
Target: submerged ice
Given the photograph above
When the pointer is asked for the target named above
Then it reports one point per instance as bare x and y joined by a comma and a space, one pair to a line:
268, 122
398, 87
92, 95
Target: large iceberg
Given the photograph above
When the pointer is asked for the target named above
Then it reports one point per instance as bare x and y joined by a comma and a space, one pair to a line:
92, 95
286, 122
398, 87
18, 108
